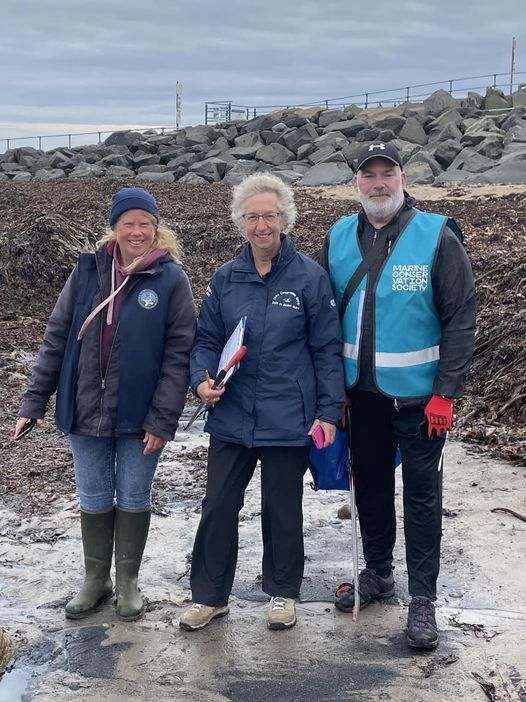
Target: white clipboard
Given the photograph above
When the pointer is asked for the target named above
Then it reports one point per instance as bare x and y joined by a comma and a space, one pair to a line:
233, 345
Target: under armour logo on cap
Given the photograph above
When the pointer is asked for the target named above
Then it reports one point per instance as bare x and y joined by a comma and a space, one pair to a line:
378, 150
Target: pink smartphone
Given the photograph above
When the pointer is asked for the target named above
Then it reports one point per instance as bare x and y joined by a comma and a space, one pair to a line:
318, 436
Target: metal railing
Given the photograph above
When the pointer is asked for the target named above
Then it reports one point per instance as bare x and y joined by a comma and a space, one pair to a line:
99, 134
227, 110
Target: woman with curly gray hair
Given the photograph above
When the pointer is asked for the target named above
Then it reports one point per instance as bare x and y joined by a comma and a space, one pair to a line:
264, 184
289, 383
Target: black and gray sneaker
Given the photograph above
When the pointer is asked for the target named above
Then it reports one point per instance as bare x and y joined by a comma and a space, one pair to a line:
422, 629
371, 587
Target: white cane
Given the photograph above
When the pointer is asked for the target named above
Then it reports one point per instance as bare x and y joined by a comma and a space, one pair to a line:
354, 527
354, 523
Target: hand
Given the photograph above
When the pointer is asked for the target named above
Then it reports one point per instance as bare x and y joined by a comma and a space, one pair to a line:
153, 443
329, 431
439, 413
207, 394
20, 423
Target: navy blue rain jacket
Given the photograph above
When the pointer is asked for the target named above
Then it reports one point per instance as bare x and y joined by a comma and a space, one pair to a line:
293, 370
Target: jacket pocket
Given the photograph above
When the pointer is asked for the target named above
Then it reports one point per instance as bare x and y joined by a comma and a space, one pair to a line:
307, 387
411, 422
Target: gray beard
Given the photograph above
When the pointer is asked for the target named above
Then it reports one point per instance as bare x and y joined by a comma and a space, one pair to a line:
385, 210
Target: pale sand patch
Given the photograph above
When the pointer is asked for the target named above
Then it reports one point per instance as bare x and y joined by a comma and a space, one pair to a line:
431, 192
480, 607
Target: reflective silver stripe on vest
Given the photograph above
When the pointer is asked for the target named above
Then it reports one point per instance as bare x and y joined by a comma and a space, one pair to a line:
361, 302
409, 358
350, 351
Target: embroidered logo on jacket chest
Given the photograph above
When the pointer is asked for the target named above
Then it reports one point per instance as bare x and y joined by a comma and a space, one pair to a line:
148, 299
286, 298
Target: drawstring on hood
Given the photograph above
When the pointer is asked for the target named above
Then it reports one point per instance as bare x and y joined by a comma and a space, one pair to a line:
114, 251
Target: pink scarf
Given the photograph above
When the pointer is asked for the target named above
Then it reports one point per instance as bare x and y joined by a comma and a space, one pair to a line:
118, 282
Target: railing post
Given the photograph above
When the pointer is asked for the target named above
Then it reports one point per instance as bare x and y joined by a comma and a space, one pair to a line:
407, 93
7, 144
366, 100
326, 104
229, 110
40, 143
100, 137
451, 87
494, 80
69, 141
206, 113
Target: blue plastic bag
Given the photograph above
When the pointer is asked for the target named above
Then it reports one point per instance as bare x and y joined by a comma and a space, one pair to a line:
330, 466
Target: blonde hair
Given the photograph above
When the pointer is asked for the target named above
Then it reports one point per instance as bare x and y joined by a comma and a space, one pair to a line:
164, 238
256, 185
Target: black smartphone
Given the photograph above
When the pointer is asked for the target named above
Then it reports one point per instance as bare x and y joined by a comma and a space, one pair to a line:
30, 423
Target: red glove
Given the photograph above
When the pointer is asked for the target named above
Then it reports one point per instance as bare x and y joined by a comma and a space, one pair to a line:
439, 413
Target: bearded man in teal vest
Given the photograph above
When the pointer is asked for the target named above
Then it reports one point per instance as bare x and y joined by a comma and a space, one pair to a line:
405, 290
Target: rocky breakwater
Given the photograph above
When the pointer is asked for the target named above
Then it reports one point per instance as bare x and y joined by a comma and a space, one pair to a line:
479, 139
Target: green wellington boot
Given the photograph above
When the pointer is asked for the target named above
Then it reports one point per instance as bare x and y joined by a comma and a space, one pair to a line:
131, 532
97, 542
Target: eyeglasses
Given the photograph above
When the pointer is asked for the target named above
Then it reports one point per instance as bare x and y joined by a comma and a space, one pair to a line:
268, 217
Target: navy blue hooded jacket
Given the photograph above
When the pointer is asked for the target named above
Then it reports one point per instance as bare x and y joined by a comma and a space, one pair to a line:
292, 372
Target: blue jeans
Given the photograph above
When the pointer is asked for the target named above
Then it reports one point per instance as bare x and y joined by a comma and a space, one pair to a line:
109, 470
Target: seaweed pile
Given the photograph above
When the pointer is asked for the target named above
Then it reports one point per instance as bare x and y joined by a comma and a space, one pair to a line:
45, 225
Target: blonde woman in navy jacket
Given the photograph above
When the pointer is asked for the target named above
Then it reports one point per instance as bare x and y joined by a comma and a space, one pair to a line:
116, 350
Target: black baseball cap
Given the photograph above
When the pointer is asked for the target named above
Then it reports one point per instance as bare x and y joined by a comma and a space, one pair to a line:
378, 149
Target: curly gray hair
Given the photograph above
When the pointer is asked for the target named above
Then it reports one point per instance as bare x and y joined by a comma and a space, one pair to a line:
256, 185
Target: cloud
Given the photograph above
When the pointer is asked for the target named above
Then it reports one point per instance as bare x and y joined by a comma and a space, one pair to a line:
68, 61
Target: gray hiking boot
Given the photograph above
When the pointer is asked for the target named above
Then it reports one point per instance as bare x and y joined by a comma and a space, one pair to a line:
371, 587
422, 629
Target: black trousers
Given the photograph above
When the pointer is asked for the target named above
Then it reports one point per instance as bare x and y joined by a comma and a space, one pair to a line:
214, 559
377, 428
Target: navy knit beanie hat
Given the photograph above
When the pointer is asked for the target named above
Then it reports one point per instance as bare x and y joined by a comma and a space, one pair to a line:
132, 199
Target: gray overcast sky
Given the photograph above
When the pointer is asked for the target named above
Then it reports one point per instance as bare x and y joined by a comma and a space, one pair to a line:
74, 63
